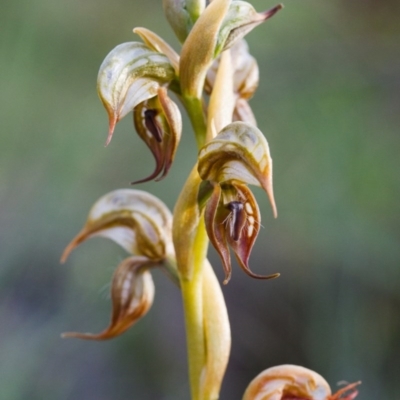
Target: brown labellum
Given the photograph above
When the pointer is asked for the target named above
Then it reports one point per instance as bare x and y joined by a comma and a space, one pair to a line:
235, 224
158, 122
132, 293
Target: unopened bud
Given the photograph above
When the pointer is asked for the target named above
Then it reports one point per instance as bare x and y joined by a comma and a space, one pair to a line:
182, 14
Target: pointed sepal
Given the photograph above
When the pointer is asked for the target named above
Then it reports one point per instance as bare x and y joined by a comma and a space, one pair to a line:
130, 74
136, 220
239, 153
158, 122
132, 294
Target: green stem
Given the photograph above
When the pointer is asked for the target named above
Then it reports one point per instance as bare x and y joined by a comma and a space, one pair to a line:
192, 282
192, 294
194, 108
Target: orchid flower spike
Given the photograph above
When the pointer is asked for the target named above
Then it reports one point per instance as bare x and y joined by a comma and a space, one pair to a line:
130, 74
141, 224
292, 382
237, 156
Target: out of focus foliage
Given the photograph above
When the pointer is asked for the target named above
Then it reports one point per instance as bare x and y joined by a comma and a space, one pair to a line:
328, 104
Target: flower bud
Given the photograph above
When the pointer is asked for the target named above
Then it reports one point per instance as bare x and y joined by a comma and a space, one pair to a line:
158, 122
134, 219
132, 294
239, 153
130, 74
182, 14
232, 218
240, 19
292, 382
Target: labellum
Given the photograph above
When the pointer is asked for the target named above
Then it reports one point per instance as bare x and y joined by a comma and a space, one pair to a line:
132, 294
158, 122
232, 219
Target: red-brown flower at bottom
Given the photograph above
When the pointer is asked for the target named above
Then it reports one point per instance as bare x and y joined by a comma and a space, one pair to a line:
292, 382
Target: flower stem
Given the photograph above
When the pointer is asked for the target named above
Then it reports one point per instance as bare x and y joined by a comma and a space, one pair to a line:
194, 108
192, 294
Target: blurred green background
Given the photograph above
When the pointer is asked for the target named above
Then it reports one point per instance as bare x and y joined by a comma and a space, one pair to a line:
328, 104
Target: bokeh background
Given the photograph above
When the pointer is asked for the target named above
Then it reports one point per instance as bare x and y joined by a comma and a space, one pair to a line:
328, 104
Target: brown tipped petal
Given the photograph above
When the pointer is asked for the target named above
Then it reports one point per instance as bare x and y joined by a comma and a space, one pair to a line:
132, 294
75, 242
271, 12
111, 127
215, 226
240, 20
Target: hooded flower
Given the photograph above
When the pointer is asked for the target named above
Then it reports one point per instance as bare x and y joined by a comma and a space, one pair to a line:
130, 74
141, 224
237, 156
